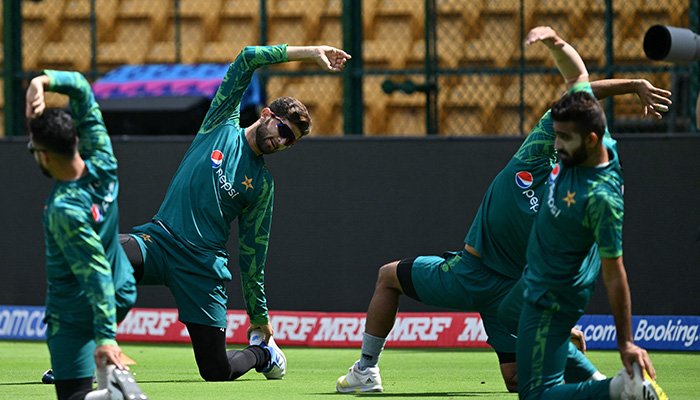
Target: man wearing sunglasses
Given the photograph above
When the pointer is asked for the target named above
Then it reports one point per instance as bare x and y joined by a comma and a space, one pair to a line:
221, 178
90, 281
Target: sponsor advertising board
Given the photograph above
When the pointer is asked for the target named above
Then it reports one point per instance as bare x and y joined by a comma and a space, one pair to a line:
317, 329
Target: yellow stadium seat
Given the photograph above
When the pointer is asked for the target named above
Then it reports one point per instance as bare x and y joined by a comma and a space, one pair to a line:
47, 11
133, 38
72, 51
33, 39
234, 36
202, 12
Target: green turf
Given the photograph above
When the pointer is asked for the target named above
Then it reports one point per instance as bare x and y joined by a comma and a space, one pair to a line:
168, 372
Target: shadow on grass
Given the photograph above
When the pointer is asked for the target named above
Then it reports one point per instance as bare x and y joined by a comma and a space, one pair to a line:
417, 394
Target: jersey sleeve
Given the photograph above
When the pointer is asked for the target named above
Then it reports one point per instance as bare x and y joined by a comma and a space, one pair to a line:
604, 215
94, 140
225, 105
82, 249
253, 237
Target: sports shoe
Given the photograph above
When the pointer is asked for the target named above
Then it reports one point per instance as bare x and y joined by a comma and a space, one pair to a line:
641, 386
48, 377
122, 385
358, 381
278, 362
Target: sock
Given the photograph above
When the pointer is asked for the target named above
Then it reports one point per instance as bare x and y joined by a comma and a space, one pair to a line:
262, 356
597, 376
102, 394
103, 375
372, 347
617, 385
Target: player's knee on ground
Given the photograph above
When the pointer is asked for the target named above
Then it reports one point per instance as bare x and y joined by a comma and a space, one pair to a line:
509, 371
213, 374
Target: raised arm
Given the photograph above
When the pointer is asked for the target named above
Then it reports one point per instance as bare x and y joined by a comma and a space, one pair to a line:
328, 58
84, 109
225, 105
568, 60
653, 99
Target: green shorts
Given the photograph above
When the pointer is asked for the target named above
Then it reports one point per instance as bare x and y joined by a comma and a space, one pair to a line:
70, 336
191, 276
460, 281
71, 346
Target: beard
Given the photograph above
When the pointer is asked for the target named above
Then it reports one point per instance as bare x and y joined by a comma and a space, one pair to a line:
571, 160
44, 170
262, 136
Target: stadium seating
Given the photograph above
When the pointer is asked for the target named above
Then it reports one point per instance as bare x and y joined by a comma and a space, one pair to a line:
474, 33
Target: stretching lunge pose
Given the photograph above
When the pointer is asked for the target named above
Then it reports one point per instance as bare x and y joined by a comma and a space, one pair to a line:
223, 177
485, 271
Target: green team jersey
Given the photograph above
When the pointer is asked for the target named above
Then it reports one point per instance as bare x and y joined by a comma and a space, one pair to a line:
581, 221
502, 225
84, 260
221, 179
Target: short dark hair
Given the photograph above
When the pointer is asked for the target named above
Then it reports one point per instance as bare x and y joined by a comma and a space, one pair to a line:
55, 131
294, 111
583, 110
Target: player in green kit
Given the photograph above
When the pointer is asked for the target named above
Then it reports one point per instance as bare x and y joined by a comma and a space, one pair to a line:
223, 177
577, 232
481, 275
90, 281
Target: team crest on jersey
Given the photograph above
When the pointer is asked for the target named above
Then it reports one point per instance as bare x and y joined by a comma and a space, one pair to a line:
523, 179
555, 172
96, 213
217, 158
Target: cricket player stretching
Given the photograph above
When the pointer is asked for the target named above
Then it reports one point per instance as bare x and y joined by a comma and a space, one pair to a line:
90, 280
223, 177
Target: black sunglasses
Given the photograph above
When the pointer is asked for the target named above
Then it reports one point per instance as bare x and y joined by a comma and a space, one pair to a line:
285, 131
32, 149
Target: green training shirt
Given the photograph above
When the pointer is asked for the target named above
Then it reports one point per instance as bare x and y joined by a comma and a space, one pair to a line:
580, 222
502, 225
221, 179
84, 260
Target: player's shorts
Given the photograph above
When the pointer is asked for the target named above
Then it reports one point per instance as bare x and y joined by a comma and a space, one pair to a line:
199, 293
71, 346
460, 281
70, 335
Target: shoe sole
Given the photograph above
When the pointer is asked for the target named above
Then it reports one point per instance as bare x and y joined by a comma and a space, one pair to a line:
128, 386
372, 389
267, 375
651, 390
357, 389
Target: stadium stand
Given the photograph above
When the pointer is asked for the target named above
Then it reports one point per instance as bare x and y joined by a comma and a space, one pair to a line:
475, 33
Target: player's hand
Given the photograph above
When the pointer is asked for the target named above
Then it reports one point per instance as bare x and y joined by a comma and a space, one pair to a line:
578, 340
108, 354
331, 59
632, 353
652, 98
35, 101
545, 35
266, 330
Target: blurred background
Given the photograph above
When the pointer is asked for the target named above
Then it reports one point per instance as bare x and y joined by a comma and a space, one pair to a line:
419, 67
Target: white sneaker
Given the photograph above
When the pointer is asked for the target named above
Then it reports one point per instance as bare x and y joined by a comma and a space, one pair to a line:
278, 362
122, 385
641, 386
357, 381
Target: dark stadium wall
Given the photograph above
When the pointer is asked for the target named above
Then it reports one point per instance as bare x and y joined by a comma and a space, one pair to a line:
346, 206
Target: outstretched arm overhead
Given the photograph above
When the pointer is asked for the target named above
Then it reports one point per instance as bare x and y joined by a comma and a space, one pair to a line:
568, 60
652, 98
329, 58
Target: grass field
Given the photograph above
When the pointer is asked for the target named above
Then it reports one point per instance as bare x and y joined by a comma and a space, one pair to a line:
168, 372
